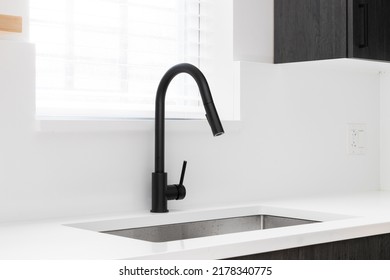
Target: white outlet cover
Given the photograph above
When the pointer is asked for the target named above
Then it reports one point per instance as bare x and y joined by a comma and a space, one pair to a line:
356, 139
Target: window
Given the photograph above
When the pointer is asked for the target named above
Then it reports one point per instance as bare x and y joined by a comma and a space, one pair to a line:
105, 58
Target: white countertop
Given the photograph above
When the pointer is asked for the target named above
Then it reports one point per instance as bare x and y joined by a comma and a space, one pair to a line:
344, 216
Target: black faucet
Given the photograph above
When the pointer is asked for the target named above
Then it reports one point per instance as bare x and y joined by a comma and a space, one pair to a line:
161, 192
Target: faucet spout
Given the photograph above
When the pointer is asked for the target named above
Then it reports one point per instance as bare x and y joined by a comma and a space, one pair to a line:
160, 190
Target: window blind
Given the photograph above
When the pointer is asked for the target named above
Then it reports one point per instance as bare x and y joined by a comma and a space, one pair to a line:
105, 58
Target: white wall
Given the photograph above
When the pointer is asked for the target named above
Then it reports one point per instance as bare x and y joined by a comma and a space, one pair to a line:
253, 30
385, 132
291, 141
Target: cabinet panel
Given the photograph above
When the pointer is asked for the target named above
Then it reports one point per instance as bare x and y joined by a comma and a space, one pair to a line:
386, 27
366, 248
369, 29
310, 30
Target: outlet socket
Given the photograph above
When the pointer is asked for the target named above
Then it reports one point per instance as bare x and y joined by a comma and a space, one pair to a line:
356, 139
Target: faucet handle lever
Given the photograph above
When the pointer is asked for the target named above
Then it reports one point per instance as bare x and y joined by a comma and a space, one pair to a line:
177, 191
183, 172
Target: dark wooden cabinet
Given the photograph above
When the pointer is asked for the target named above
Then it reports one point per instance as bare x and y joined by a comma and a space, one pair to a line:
386, 15
368, 29
365, 248
308, 30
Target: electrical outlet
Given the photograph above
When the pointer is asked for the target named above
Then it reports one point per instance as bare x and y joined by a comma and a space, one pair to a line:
357, 139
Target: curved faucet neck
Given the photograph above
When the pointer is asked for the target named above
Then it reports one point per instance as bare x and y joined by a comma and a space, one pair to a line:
160, 105
187, 68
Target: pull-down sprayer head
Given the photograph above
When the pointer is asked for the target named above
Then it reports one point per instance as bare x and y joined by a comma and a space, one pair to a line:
213, 119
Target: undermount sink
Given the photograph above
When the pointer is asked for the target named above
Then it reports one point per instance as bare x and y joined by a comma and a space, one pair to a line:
180, 231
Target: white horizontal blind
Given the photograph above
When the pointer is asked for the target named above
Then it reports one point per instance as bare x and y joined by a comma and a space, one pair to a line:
105, 58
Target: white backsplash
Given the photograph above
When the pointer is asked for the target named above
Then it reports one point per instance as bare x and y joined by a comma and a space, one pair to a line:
291, 141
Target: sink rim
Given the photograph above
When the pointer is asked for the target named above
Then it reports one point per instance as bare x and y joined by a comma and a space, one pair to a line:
139, 220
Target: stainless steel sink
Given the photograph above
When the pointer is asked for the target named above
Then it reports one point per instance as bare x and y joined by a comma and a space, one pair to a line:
171, 232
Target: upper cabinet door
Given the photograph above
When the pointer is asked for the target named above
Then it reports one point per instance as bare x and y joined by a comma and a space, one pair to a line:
310, 30
386, 27
325, 29
369, 21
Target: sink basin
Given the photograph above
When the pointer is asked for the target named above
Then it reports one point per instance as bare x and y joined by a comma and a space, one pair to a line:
180, 231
